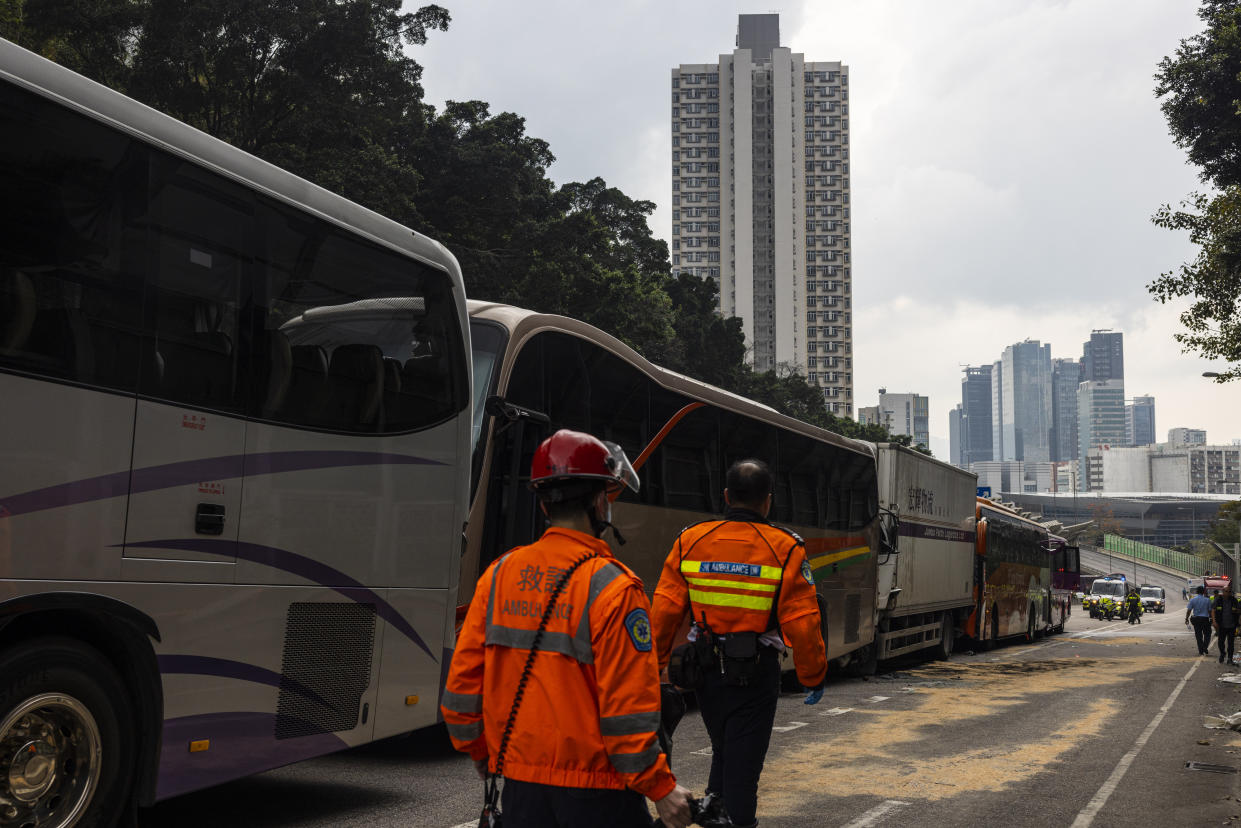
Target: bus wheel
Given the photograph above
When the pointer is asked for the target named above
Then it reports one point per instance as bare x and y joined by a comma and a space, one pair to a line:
66, 736
947, 635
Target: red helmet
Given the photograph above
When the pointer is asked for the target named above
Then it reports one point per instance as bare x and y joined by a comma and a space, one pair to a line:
569, 457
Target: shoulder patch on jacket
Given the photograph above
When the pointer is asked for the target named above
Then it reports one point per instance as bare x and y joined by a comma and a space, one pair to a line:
638, 625
806, 573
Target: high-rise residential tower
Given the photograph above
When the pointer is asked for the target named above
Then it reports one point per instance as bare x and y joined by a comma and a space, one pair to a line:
760, 200
900, 414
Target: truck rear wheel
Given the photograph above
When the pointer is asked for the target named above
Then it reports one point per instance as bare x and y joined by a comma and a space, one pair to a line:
66, 736
947, 633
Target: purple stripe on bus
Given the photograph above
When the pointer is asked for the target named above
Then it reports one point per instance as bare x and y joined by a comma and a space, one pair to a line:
227, 668
241, 744
910, 529
299, 565
170, 475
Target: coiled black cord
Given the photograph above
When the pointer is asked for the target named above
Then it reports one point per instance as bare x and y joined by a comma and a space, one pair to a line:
525, 672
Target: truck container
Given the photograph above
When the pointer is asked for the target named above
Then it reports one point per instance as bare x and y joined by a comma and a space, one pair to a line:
926, 582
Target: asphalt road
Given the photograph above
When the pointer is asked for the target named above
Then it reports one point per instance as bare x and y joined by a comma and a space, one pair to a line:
1091, 727
1100, 561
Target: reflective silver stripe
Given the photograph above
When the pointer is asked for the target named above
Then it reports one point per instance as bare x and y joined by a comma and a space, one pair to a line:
491, 598
629, 724
634, 762
463, 702
465, 732
603, 576
551, 642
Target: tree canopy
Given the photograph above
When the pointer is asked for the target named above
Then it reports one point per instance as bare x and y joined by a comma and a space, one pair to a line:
1201, 90
327, 90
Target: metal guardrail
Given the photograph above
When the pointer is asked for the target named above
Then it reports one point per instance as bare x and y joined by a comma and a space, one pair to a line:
1189, 564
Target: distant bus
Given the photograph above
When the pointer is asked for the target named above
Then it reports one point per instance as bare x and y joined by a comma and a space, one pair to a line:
1013, 578
543, 372
234, 459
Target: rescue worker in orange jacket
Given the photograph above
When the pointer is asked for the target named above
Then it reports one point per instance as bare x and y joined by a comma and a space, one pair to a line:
748, 583
583, 747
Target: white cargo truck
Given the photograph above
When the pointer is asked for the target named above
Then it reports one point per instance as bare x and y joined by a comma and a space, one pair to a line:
926, 578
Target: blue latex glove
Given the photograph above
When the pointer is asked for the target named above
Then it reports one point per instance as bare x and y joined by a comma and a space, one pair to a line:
814, 696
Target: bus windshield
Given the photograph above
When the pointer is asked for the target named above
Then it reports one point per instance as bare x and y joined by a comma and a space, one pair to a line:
486, 341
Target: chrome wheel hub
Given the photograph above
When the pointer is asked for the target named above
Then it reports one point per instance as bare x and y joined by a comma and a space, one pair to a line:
49, 762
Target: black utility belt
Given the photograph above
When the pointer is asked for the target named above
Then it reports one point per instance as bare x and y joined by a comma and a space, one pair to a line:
735, 657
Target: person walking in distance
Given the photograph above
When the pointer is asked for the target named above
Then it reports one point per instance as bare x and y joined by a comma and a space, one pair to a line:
1225, 613
567, 715
1199, 613
747, 586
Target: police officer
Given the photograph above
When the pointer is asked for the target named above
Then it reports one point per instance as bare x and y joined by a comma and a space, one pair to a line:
1133, 603
582, 748
746, 585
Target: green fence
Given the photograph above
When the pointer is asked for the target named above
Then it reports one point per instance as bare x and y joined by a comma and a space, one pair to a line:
1189, 564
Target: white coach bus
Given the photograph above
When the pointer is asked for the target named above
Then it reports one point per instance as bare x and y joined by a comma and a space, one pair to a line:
234, 459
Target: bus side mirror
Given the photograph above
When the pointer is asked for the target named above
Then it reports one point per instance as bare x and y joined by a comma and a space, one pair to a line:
507, 413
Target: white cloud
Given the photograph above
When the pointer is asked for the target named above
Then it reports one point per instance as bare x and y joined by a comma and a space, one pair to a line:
1006, 158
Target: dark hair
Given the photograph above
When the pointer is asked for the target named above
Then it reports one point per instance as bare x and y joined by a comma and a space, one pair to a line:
1201, 590
748, 482
566, 501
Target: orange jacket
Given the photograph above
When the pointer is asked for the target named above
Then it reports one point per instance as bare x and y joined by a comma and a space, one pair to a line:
732, 571
590, 710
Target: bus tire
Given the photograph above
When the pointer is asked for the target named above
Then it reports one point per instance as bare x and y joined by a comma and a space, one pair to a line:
947, 638
66, 735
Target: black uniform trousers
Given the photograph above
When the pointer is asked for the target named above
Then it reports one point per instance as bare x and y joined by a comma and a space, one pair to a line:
1226, 636
1202, 632
533, 805
739, 720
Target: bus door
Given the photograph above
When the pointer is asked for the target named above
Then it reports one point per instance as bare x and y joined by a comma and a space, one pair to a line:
189, 437
512, 514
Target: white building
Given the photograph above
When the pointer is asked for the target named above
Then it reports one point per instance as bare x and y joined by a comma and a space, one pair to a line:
1187, 436
901, 414
1166, 468
760, 200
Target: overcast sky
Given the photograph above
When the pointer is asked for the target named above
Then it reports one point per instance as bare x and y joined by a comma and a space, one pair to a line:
1007, 157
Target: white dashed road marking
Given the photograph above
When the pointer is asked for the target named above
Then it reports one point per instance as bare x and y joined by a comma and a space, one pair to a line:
876, 699
876, 813
704, 752
1087, 815
790, 726
836, 711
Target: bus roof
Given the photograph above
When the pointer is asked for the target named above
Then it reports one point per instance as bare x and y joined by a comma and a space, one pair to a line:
523, 324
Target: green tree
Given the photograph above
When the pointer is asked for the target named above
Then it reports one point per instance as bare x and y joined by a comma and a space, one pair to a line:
1201, 90
1226, 525
92, 37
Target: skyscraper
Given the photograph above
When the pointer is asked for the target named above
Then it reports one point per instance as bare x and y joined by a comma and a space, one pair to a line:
956, 418
760, 200
1103, 356
1066, 375
1026, 414
1140, 421
1100, 422
975, 421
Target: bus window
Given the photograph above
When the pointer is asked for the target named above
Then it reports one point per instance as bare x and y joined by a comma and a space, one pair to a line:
352, 337
197, 221
70, 296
